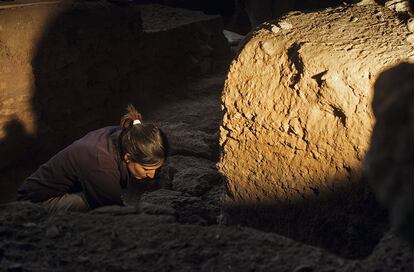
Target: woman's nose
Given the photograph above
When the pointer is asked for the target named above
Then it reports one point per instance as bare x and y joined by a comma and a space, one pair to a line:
151, 174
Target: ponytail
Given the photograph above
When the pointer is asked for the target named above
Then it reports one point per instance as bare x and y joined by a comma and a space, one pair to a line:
130, 116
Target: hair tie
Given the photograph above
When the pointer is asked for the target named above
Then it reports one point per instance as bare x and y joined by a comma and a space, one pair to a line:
136, 122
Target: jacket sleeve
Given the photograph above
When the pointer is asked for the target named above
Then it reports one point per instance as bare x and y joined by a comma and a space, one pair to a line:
98, 170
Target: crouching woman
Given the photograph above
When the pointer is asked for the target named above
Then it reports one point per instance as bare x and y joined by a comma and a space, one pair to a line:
92, 171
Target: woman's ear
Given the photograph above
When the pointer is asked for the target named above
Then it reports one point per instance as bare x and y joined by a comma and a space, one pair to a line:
127, 157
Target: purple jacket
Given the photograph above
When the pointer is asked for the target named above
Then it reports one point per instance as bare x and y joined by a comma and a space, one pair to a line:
90, 164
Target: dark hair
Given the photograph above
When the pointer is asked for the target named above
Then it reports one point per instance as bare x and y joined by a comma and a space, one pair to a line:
146, 143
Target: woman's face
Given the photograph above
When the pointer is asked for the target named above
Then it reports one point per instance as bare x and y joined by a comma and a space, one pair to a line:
141, 171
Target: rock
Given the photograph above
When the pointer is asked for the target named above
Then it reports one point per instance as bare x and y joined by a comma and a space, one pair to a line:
83, 258
29, 225
410, 25
187, 209
131, 195
180, 163
184, 140
232, 37
366, 2
195, 182
398, 5
116, 241
189, 174
304, 268
16, 267
410, 39
155, 209
297, 110
52, 232
115, 210
390, 246
389, 163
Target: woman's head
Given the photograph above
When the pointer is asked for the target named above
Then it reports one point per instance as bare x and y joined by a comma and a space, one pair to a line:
144, 147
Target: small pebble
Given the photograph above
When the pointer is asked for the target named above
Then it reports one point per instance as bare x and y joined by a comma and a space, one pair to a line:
285, 25
83, 258
52, 232
304, 268
16, 267
275, 29
29, 225
410, 25
115, 210
410, 39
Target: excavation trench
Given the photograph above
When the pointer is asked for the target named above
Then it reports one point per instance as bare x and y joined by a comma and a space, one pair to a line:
286, 125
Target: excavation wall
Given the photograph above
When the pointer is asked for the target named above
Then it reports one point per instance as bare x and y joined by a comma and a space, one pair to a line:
297, 103
69, 68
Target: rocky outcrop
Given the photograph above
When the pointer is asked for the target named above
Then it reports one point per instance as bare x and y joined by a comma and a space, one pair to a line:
390, 159
68, 68
297, 115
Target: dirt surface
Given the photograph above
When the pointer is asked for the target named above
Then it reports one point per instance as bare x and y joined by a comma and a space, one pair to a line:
174, 223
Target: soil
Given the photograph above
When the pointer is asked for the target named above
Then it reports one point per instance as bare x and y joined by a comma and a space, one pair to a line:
175, 223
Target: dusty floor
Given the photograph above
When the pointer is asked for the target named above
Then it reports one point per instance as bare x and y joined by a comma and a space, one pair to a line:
172, 225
